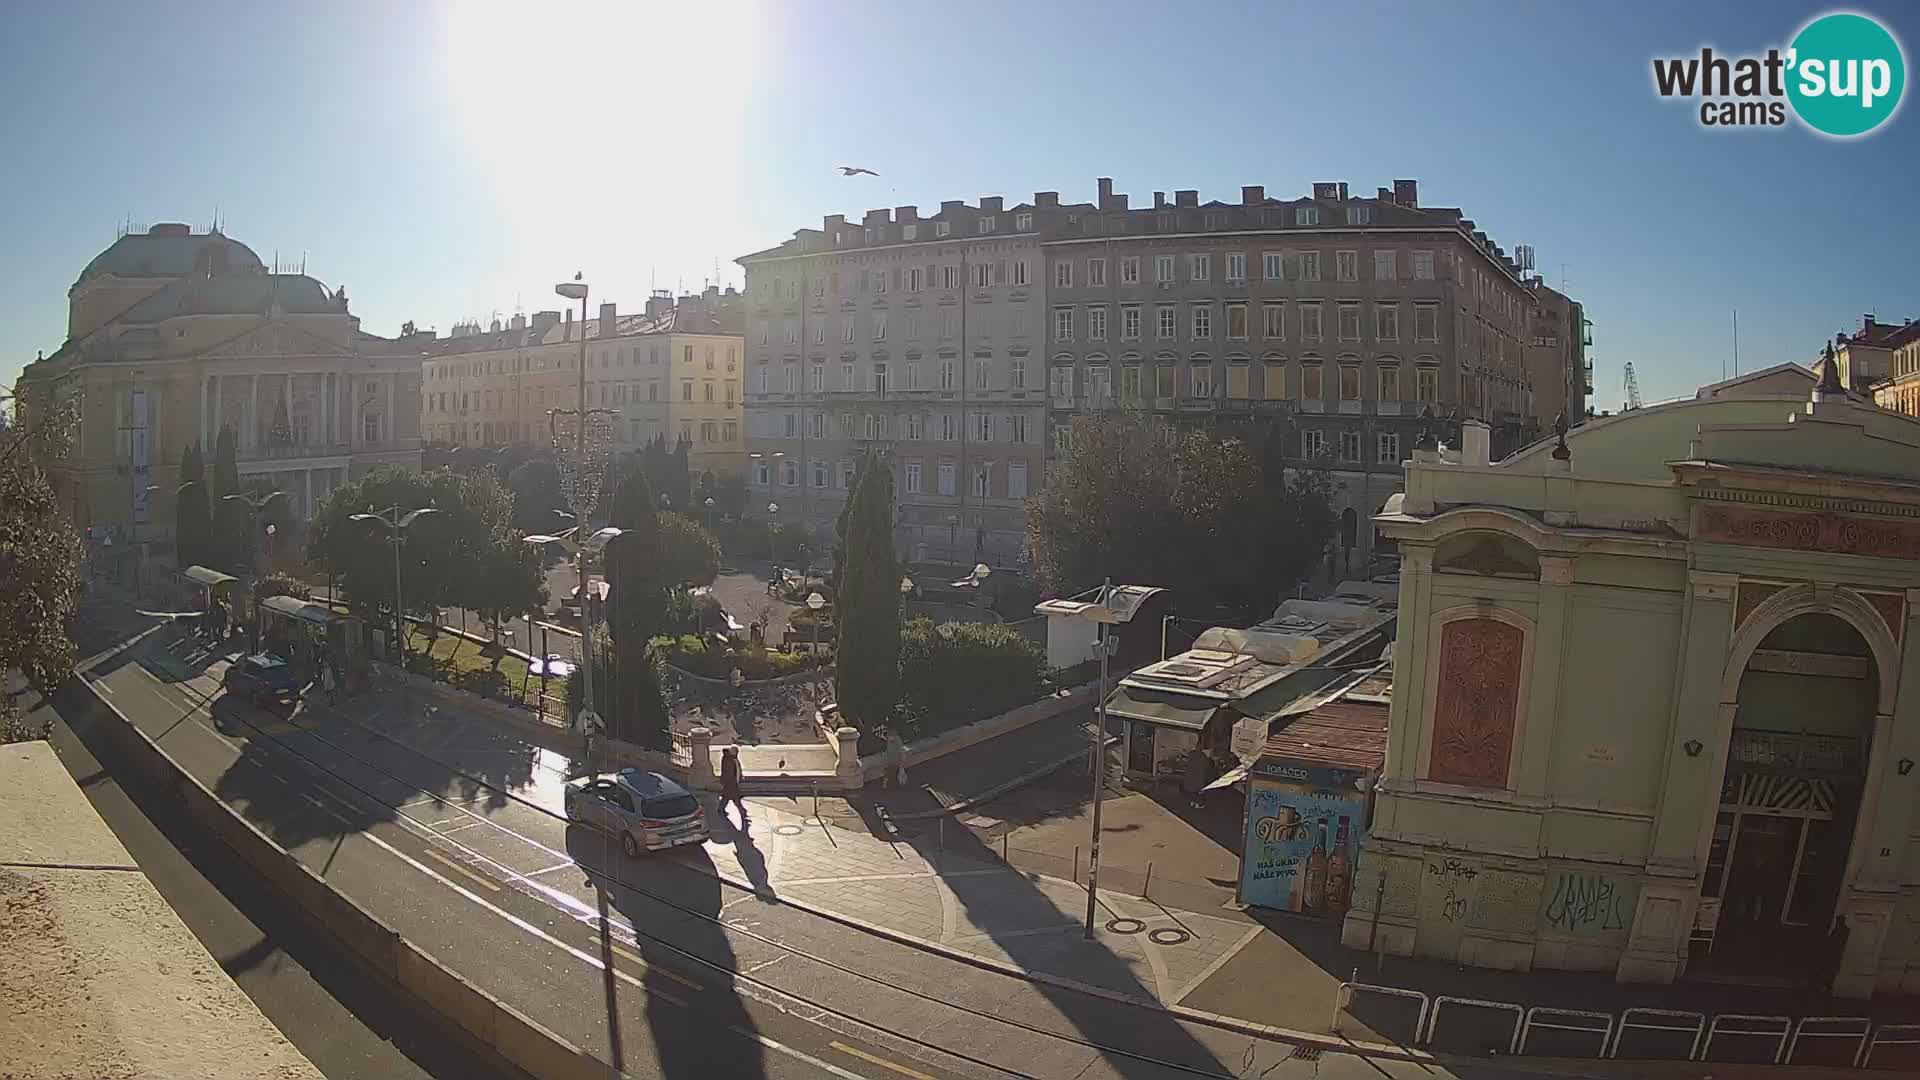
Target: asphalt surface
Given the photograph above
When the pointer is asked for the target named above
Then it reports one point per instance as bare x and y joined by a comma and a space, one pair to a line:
650, 963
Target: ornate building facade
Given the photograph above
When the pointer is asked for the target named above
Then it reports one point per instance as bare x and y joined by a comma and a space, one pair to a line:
1657, 700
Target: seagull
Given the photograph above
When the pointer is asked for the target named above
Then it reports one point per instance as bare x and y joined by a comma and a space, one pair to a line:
855, 170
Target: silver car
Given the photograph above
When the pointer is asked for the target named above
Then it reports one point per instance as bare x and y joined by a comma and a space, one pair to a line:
645, 810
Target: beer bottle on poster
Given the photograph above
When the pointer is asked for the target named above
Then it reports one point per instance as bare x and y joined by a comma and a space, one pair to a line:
1339, 872
1316, 875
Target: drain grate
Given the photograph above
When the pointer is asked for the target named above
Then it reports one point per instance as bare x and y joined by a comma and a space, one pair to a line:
1306, 1053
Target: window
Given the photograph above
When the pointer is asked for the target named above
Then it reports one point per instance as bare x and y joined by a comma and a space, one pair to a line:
790, 473
1130, 322
1313, 443
1386, 322
909, 232
846, 476
1426, 383
879, 326
1063, 324
762, 474
943, 228
1063, 274
1384, 267
983, 427
1423, 266
1163, 268
1347, 265
1062, 438
1273, 322
1310, 377
707, 386
1236, 266
1130, 384
1099, 385
950, 277
982, 275
1130, 270
879, 281
1237, 322
1163, 381
1062, 383
816, 379
1309, 266
1349, 382
949, 429
1349, 446
1023, 222
846, 332
1096, 324
1426, 322
913, 426
793, 334
1167, 324
1020, 272
1349, 322
370, 432
982, 481
1359, 215
1096, 273
1017, 427
911, 478
819, 471
982, 372
947, 375
1200, 267
989, 223
1202, 322
946, 478
913, 274
846, 376
791, 424
1270, 266
1389, 383
949, 321
1388, 448
1200, 381
1310, 329
1275, 374
709, 431
1306, 215
879, 378
1017, 480
729, 432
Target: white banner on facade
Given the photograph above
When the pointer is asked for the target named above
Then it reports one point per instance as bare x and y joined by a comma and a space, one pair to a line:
137, 451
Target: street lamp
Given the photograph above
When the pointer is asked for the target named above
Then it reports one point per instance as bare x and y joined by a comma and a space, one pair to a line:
587, 720
953, 538
906, 590
709, 513
1103, 615
981, 571
773, 515
255, 502
815, 602
396, 524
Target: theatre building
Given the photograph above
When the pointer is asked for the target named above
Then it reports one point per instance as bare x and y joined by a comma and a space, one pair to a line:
1657, 700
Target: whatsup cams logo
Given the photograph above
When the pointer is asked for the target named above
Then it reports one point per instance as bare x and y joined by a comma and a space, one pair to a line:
1842, 76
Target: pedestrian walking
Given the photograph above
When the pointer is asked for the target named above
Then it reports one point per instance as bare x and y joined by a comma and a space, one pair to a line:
730, 784
1195, 780
328, 683
896, 761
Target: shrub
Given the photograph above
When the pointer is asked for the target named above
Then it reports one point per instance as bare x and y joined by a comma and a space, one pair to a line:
955, 673
282, 585
483, 681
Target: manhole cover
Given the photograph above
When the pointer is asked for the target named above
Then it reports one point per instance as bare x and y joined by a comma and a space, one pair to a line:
1306, 1053
1169, 935
1125, 926
814, 821
788, 830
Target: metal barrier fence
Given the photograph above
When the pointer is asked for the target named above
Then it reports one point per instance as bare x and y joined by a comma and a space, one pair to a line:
1860, 1037
1698, 1028
1751, 1026
1433, 1017
1910, 1037
1559, 1022
1343, 997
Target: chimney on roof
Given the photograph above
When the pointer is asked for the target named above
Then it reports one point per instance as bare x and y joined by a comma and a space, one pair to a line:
1159, 200
519, 323
1046, 200
495, 328
1406, 192
1326, 190
990, 204
1186, 198
659, 304
948, 206
1384, 194
1106, 189
904, 214
567, 318
607, 310
831, 225
712, 293
1252, 194
1343, 191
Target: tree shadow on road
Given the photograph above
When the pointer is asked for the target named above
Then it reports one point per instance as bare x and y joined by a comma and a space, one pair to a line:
694, 1030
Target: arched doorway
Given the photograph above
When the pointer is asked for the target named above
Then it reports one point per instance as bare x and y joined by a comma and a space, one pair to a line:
1789, 801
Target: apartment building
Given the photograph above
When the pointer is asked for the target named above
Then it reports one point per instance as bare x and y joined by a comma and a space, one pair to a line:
1341, 317
674, 369
1558, 336
924, 337
1899, 390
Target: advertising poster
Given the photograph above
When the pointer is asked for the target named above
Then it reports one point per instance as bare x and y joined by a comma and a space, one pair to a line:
1304, 827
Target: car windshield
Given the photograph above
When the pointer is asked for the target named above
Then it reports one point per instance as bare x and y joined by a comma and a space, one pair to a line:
670, 806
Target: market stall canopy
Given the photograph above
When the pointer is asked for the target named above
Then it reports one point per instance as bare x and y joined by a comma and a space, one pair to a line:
295, 608
209, 578
1158, 707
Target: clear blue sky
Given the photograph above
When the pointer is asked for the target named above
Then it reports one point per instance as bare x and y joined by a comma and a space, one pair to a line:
452, 160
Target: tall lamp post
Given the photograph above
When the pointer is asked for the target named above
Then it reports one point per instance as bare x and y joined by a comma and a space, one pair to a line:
396, 525
906, 590
773, 518
709, 513
587, 720
816, 603
1102, 614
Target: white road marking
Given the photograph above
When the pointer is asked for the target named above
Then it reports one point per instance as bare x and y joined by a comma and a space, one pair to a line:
797, 1055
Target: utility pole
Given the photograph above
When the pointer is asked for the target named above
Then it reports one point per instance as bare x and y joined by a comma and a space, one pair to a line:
1105, 615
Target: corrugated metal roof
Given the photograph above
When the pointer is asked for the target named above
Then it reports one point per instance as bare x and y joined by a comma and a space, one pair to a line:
1338, 734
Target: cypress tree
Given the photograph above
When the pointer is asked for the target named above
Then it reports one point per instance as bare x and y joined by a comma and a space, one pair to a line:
634, 704
867, 680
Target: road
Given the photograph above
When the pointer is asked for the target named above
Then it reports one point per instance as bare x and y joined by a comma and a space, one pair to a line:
649, 962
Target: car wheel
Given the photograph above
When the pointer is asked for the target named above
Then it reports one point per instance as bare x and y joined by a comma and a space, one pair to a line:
630, 845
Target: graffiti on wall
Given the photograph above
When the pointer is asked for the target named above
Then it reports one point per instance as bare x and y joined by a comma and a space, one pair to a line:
1506, 901
1583, 902
1452, 880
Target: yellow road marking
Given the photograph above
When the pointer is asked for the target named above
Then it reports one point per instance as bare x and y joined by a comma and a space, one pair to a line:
875, 1059
457, 868
657, 969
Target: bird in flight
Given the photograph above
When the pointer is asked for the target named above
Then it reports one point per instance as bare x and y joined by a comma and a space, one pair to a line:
855, 170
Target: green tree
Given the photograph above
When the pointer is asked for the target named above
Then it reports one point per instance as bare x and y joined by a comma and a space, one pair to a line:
867, 679
1224, 517
228, 541
536, 495
636, 707
39, 557
445, 557
956, 673
193, 517
689, 554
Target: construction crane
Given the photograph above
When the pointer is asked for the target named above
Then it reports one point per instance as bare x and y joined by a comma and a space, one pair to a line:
1633, 388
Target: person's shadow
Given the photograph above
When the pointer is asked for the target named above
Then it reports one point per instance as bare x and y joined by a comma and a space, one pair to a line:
753, 861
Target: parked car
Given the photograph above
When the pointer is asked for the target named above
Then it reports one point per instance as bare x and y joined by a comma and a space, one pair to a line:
645, 810
262, 678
